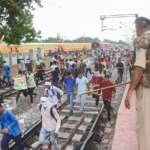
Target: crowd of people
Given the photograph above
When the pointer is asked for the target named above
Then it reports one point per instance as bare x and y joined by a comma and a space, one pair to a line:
73, 76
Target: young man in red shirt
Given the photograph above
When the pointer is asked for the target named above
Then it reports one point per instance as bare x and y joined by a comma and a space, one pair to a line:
96, 81
107, 94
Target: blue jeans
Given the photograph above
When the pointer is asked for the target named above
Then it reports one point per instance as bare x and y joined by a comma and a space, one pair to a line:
4, 80
120, 76
43, 135
70, 96
6, 139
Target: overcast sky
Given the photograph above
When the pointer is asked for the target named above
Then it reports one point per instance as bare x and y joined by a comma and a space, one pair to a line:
75, 18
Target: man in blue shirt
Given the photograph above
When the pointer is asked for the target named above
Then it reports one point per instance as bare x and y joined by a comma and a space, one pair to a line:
10, 129
6, 74
69, 83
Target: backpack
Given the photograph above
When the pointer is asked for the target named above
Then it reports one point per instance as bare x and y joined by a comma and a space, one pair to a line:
57, 94
51, 112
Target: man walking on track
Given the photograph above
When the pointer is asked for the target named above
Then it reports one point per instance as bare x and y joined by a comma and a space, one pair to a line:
51, 122
141, 83
10, 129
82, 86
96, 81
107, 95
69, 84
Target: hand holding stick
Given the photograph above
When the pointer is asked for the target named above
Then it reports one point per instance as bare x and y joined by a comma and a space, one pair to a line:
108, 87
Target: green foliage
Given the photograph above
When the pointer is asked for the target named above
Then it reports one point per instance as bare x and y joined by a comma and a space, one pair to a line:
50, 40
78, 40
115, 42
16, 20
86, 40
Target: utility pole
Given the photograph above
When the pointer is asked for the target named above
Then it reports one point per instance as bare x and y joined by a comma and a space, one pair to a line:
103, 17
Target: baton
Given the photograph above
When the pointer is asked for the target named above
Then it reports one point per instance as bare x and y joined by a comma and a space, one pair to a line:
108, 87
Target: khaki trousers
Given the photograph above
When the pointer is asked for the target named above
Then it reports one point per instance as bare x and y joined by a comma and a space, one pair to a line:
143, 117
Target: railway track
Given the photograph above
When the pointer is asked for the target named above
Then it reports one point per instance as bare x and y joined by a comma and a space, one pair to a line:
72, 129
8, 92
99, 130
31, 133
77, 131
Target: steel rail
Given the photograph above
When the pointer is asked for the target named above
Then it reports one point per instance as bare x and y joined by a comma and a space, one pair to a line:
91, 132
29, 132
13, 91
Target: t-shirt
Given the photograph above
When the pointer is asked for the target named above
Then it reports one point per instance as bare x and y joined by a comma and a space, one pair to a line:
70, 84
30, 81
20, 82
29, 66
107, 93
103, 63
6, 71
82, 66
81, 82
88, 64
120, 66
96, 80
53, 67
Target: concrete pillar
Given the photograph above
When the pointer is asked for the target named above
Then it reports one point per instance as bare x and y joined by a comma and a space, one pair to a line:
25, 56
40, 53
32, 54
19, 56
13, 58
6, 57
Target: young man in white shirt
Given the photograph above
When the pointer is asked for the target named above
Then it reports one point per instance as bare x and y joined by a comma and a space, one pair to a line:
50, 124
88, 67
82, 86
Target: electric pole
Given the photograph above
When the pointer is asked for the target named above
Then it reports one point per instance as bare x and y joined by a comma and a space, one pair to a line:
103, 17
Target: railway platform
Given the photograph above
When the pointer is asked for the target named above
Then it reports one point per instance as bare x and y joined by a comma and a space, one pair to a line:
125, 134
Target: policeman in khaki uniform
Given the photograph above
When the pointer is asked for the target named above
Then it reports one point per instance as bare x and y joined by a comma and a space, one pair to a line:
141, 83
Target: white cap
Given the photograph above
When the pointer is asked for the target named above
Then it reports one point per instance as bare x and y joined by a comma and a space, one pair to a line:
48, 83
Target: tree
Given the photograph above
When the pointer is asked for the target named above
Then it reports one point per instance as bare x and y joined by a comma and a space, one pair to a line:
122, 42
78, 40
16, 20
50, 40
110, 41
115, 42
86, 40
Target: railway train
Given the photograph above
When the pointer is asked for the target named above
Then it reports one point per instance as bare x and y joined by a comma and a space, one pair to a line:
25, 47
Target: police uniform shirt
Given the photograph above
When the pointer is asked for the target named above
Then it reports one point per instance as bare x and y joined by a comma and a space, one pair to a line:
140, 58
